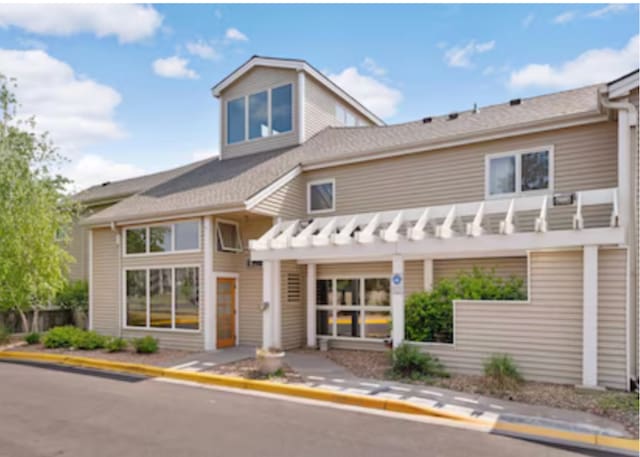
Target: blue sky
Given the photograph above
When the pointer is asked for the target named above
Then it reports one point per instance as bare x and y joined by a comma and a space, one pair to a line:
125, 89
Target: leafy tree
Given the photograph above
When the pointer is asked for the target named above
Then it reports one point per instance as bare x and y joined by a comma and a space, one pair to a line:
35, 214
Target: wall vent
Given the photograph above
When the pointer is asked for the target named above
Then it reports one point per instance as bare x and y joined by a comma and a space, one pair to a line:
515, 102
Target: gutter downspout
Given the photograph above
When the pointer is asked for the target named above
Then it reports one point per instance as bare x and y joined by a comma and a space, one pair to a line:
627, 118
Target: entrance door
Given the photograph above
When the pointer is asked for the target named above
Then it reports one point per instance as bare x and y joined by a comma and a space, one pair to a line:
226, 312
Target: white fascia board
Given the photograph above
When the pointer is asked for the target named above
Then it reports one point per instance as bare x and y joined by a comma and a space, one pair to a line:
257, 198
434, 247
458, 140
624, 86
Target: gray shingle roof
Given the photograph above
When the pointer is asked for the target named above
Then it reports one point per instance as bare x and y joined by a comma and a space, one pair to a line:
115, 190
347, 142
229, 182
213, 184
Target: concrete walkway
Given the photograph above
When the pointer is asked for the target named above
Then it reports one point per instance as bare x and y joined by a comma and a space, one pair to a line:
318, 371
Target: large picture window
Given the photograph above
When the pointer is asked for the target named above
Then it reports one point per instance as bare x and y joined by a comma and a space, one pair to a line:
262, 114
518, 173
162, 298
158, 239
353, 307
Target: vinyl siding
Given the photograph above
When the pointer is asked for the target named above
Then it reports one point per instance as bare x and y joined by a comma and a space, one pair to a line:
502, 267
190, 341
287, 202
256, 80
78, 248
293, 298
585, 158
106, 298
544, 336
320, 108
413, 277
356, 269
611, 318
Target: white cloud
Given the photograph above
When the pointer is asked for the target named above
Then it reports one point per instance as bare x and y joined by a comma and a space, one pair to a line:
234, 34
460, 56
76, 110
372, 67
201, 154
128, 22
174, 67
202, 49
92, 169
609, 9
565, 17
592, 66
527, 21
376, 96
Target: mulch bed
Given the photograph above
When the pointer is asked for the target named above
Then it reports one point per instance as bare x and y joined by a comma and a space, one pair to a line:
164, 357
248, 369
621, 407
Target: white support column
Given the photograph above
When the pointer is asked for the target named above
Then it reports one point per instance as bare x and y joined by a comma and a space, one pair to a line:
311, 305
207, 292
276, 302
267, 307
428, 274
397, 300
590, 317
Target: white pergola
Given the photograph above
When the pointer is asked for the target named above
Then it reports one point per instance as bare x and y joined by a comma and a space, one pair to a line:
445, 231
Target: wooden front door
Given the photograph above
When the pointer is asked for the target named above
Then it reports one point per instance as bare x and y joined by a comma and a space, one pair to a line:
226, 312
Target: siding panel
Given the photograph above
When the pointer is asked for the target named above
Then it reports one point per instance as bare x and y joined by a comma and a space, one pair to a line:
544, 336
287, 202
611, 317
106, 298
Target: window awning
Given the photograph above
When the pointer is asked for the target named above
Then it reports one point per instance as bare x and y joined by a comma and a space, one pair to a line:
472, 228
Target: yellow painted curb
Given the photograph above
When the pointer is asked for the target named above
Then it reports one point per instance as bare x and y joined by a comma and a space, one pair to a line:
626, 444
397, 406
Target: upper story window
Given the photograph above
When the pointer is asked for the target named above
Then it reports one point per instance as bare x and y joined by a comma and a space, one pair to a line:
265, 113
157, 239
345, 117
515, 173
228, 234
321, 196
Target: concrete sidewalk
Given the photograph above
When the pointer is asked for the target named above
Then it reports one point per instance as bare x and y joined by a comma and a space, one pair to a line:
318, 371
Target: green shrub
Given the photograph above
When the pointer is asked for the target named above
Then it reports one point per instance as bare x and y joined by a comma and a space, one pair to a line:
145, 345
5, 335
32, 338
61, 337
429, 315
115, 344
409, 362
502, 372
74, 295
88, 340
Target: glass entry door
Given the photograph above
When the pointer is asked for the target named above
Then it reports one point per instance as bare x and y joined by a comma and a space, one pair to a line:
226, 312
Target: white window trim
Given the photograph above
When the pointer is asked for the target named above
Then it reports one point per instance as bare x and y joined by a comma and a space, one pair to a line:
362, 307
331, 181
223, 248
147, 228
246, 97
173, 299
518, 171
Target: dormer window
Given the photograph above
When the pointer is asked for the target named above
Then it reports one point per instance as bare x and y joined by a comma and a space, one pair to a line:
259, 115
345, 117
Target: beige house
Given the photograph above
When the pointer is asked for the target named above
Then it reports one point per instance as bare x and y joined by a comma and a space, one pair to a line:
317, 221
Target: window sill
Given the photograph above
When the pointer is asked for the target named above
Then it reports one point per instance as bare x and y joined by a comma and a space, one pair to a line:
162, 330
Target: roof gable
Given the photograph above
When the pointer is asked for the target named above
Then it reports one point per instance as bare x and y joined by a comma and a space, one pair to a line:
297, 65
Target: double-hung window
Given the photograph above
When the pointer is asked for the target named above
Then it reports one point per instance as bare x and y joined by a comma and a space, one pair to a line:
321, 196
162, 298
518, 173
259, 115
357, 307
163, 238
